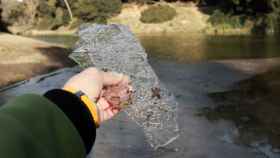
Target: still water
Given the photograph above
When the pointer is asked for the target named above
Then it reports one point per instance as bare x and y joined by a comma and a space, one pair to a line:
185, 64
189, 49
197, 48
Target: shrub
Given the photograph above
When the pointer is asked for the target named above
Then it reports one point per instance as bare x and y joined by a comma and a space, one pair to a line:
61, 17
158, 14
45, 8
141, 1
85, 10
272, 22
267, 24
264, 13
96, 10
45, 23
15, 15
218, 18
108, 7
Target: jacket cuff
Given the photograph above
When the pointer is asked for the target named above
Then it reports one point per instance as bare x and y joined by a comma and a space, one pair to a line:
77, 112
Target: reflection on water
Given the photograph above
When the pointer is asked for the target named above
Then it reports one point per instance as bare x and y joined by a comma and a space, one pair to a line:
192, 48
254, 108
184, 48
67, 40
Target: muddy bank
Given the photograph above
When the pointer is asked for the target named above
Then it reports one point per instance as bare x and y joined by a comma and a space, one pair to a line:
22, 58
63, 31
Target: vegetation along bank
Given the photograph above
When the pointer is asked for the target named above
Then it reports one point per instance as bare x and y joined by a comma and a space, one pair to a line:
143, 16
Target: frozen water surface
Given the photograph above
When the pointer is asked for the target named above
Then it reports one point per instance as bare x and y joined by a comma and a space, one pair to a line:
115, 48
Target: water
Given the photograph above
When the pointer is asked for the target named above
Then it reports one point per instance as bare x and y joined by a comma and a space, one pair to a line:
193, 48
67, 40
190, 49
222, 92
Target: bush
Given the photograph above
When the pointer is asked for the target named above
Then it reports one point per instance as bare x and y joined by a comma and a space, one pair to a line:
61, 17
15, 15
45, 23
158, 14
218, 18
264, 13
46, 8
267, 24
108, 7
272, 21
85, 10
141, 1
96, 10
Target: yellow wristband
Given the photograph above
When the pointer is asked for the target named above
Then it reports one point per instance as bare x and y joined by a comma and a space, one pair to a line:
92, 107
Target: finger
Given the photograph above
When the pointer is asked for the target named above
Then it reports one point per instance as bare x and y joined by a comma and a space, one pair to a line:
130, 88
107, 110
103, 104
110, 113
125, 80
115, 111
101, 114
112, 78
106, 116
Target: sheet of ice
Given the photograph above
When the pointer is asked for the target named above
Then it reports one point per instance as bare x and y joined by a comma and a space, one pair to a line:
115, 48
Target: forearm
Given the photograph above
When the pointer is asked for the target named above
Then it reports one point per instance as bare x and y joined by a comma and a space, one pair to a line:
80, 116
34, 126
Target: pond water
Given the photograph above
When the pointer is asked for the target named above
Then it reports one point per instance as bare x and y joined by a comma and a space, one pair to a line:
184, 48
193, 48
226, 104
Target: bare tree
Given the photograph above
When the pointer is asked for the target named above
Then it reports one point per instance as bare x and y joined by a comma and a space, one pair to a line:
69, 9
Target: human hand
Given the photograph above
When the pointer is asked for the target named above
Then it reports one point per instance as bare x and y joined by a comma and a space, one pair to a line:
92, 82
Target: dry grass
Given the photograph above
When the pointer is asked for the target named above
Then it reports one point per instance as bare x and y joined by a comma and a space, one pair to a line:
189, 19
22, 58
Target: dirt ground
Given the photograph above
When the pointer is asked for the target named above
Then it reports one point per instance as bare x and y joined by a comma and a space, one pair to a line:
22, 58
189, 19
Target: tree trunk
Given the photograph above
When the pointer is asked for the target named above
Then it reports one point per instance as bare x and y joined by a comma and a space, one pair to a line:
69, 9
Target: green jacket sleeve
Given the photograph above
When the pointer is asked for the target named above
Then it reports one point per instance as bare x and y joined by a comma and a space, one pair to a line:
54, 126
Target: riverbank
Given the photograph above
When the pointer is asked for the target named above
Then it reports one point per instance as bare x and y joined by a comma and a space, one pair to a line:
189, 19
33, 32
22, 58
